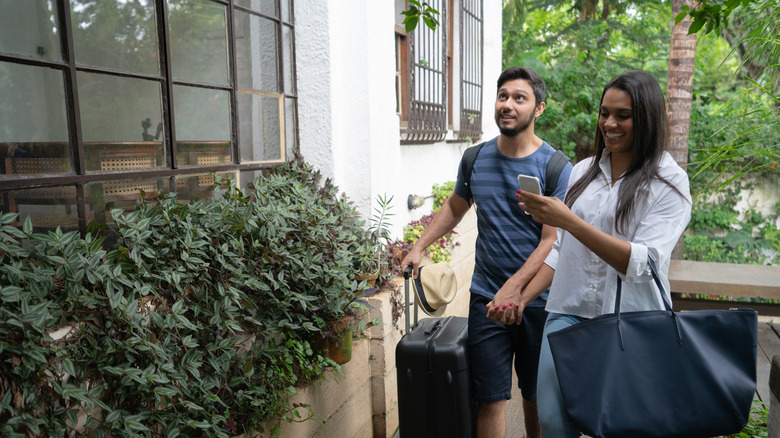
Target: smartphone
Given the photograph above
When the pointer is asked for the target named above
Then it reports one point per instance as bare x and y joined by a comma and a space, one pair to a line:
529, 184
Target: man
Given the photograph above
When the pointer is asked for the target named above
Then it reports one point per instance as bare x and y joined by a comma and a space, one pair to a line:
510, 249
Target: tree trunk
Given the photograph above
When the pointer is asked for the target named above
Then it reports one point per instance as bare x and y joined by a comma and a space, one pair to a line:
679, 91
679, 84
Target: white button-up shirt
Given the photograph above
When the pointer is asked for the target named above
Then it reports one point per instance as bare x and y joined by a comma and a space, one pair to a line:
584, 285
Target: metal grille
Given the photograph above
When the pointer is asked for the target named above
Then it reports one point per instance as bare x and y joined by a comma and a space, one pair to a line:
471, 61
427, 112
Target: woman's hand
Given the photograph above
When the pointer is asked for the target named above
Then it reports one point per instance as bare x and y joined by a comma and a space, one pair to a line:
505, 308
546, 210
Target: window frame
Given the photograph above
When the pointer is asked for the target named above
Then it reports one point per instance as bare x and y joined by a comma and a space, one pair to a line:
420, 122
284, 20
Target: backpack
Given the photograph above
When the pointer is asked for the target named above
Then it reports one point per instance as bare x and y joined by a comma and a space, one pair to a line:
554, 167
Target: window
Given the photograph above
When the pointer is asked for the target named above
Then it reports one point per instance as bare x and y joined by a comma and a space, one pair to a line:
471, 61
104, 101
425, 74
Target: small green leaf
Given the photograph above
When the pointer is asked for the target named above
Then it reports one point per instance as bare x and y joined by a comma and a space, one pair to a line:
27, 227
68, 366
429, 23
696, 26
411, 23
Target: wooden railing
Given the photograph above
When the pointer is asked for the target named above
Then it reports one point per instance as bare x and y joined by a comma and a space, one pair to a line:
725, 285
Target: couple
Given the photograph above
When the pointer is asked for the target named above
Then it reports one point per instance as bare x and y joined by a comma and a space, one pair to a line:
544, 263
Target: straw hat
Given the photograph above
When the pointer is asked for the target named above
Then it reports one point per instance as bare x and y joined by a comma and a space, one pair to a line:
434, 287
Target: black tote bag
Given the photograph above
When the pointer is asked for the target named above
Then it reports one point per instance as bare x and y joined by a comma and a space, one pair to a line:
658, 373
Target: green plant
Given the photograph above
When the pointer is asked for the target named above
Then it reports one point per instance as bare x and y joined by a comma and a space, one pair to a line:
416, 11
757, 424
717, 232
199, 322
378, 233
439, 251
440, 194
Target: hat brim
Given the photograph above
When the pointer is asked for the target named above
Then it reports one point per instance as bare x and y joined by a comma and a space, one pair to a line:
434, 287
422, 303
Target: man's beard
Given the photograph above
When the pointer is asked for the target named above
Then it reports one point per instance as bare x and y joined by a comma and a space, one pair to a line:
512, 132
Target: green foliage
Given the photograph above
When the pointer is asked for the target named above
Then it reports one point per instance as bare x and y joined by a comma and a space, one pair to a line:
416, 11
440, 194
741, 111
708, 249
757, 424
199, 323
717, 234
439, 251
576, 58
732, 136
709, 15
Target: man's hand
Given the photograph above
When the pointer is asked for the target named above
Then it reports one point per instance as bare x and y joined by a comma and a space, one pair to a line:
413, 259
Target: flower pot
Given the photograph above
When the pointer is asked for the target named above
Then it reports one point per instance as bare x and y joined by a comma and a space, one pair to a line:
336, 343
399, 254
370, 278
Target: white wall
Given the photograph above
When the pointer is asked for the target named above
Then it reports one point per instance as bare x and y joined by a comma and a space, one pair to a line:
348, 127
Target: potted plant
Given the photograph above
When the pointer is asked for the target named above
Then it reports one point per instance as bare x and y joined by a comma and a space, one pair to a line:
378, 236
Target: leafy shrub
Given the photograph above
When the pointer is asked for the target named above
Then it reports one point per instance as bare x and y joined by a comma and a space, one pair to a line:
440, 194
757, 423
439, 251
709, 249
716, 233
198, 323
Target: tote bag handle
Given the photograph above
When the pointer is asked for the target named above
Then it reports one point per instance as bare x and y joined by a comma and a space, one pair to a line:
667, 304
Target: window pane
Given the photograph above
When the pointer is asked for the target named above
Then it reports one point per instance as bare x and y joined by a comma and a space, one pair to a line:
247, 177
260, 127
202, 126
286, 8
47, 207
290, 126
121, 122
198, 41
256, 57
289, 65
104, 196
199, 186
34, 127
30, 27
267, 7
120, 35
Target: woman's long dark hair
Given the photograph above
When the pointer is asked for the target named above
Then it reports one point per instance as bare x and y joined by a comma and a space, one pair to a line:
651, 133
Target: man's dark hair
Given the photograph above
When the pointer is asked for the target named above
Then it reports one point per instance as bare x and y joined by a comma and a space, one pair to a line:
528, 74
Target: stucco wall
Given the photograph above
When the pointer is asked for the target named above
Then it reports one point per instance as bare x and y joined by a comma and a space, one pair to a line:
348, 127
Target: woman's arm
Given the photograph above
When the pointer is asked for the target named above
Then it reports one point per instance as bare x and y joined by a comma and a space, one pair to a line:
552, 211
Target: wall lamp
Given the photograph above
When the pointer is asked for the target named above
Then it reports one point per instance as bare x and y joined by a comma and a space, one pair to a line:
415, 201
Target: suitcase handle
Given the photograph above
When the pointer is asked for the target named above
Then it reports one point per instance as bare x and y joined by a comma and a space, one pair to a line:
434, 327
407, 274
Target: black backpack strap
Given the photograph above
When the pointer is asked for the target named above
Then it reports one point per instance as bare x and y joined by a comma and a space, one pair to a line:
554, 168
467, 165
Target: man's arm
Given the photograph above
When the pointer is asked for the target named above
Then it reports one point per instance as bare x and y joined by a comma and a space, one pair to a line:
448, 216
508, 304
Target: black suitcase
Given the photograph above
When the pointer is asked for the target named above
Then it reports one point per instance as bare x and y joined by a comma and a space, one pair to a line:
434, 383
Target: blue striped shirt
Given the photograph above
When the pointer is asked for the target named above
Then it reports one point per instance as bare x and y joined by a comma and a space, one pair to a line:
507, 236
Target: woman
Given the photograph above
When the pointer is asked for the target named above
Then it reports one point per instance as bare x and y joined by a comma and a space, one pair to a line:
628, 202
